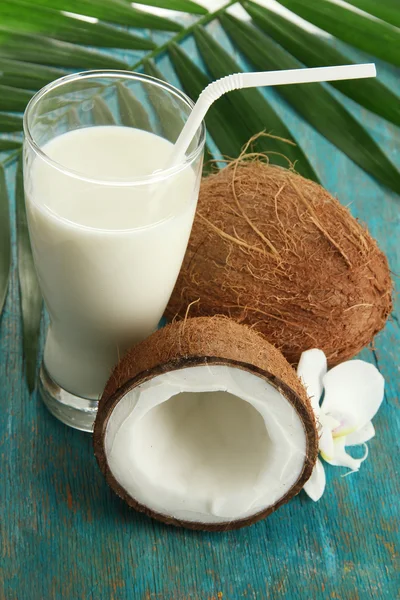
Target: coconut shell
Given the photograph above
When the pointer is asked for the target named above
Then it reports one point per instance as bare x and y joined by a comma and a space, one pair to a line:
277, 252
197, 342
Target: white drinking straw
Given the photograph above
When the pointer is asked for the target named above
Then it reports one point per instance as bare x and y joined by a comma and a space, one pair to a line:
239, 81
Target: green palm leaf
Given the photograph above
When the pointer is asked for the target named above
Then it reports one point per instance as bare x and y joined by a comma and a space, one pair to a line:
183, 5
25, 75
250, 107
9, 145
48, 51
315, 52
209, 165
102, 115
5, 239
10, 123
31, 299
72, 115
113, 11
387, 10
315, 103
228, 139
151, 69
374, 37
19, 17
13, 98
169, 119
131, 110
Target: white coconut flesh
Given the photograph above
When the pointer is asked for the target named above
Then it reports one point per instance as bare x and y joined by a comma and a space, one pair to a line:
207, 444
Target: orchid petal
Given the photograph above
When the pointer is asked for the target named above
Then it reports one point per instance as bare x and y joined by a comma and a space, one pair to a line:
346, 424
361, 435
315, 486
326, 443
327, 425
311, 370
354, 388
330, 421
342, 459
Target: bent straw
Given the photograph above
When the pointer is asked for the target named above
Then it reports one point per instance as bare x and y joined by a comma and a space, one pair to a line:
239, 81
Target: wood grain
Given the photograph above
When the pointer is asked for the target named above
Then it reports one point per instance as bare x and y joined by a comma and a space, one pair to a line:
64, 535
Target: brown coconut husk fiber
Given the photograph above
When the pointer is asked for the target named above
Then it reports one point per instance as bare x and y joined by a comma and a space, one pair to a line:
279, 253
201, 342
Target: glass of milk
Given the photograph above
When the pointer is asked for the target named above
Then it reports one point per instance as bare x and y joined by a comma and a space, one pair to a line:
109, 222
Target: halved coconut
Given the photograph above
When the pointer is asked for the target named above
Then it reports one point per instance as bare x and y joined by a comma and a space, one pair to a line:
205, 425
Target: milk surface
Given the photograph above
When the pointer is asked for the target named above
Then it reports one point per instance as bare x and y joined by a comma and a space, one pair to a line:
107, 255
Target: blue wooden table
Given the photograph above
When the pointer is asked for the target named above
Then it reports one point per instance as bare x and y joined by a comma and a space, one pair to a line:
64, 535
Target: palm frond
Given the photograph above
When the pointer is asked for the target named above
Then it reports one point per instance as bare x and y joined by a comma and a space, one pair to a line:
25, 75
313, 102
387, 10
313, 51
131, 110
374, 37
119, 12
6, 145
49, 51
187, 6
170, 122
250, 107
17, 16
229, 139
10, 123
47, 39
102, 115
12, 98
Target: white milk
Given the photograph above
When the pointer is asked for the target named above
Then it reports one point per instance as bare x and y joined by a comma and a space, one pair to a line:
107, 256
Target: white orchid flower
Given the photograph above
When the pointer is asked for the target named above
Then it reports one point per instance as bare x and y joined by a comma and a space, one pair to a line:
353, 393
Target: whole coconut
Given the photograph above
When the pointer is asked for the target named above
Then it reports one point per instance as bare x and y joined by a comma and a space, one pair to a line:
277, 252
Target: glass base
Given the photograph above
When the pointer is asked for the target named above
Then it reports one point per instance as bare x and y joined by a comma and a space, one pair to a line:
72, 410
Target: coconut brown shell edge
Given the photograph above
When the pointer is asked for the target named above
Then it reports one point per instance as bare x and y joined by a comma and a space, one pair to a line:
195, 342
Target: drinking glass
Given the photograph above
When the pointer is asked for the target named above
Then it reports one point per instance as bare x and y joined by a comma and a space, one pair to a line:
109, 221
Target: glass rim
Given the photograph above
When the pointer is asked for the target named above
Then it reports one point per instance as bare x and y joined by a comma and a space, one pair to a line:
159, 175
